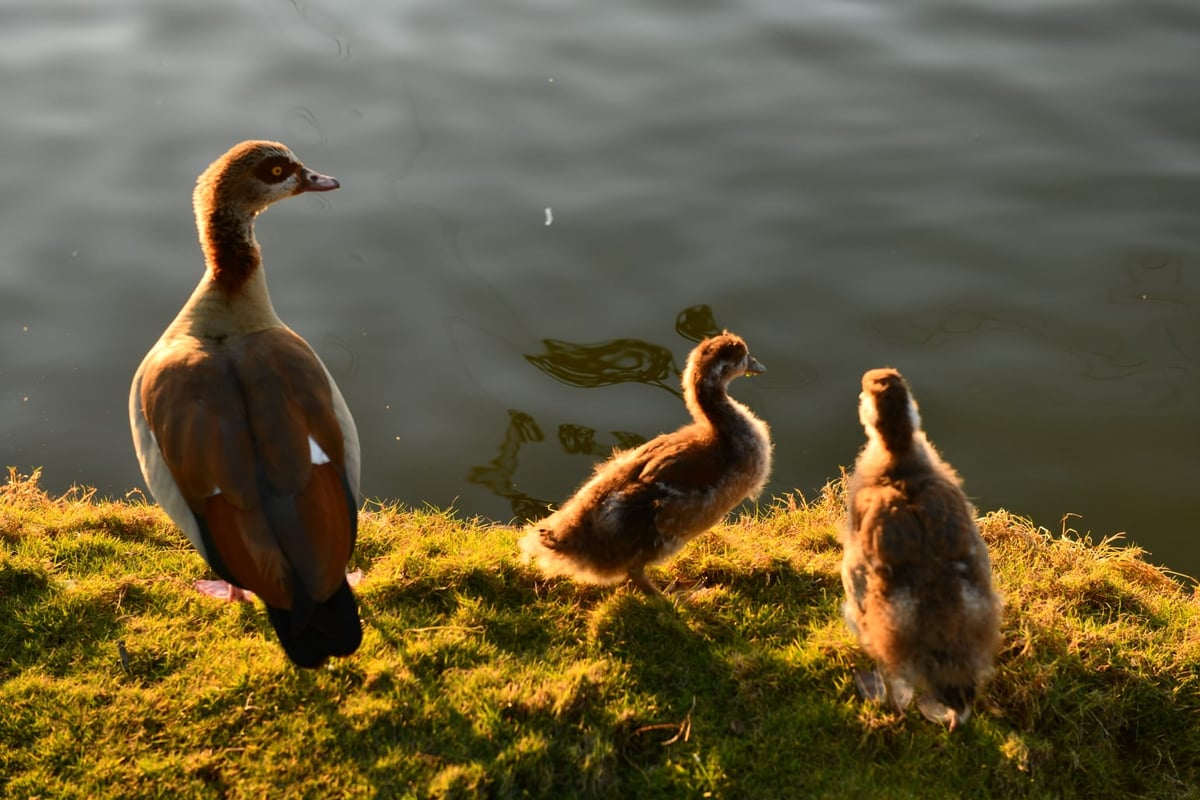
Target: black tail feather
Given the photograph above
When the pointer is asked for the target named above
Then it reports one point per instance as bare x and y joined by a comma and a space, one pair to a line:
332, 628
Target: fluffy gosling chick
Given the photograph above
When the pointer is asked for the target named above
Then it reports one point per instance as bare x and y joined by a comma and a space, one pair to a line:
642, 505
918, 581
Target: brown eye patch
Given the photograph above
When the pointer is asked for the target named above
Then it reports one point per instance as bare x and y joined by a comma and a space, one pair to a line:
275, 169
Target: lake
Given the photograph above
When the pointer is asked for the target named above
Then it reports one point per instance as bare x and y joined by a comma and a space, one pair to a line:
543, 204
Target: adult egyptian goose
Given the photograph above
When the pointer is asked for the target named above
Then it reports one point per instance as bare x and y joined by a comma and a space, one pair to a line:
242, 435
918, 581
642, 505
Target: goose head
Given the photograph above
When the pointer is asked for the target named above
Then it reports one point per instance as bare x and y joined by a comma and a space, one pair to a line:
253, 175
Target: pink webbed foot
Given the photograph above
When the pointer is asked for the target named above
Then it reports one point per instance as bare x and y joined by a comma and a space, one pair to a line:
224, 591
934, 711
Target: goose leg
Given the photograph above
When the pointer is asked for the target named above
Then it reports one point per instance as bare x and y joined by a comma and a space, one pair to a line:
637, 576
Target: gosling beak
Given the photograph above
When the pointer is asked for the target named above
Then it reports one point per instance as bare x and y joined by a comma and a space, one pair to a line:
754, 366
315, 182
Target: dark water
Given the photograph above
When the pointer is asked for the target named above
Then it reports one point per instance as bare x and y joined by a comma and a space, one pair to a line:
1001, 199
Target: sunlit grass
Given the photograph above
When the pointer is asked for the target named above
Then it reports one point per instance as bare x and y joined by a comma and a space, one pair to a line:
477, 677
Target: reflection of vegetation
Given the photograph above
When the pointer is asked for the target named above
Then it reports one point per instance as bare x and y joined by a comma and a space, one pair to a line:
577, 439
522, 428
606, 363
580, 439
498, 473
696, 323
588, 366
623, 360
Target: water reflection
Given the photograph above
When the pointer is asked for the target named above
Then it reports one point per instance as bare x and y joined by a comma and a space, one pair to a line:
497, 474
1150, 301
580, 439
606, 363
325, 24
623, 360
697, 323
1156, 281
306, 119
587, 366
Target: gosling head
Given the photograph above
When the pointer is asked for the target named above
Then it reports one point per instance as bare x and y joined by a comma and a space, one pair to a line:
718, 360
887, 409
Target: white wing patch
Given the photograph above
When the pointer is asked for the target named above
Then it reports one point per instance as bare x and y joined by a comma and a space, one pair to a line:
318, 455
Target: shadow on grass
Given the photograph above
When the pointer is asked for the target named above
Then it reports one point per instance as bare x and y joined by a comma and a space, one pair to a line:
497, 605
53, 627
564, 722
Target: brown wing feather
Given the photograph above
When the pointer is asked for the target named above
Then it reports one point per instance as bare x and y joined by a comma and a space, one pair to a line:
890, 538
948, 519
687, 459
615, 518
239, 419
288, 399
193, 406
328, 515
913, 541
875, 511
248, 551
909, 526
262, 559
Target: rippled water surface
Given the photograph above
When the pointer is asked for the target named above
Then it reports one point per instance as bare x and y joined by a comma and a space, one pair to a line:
543, 203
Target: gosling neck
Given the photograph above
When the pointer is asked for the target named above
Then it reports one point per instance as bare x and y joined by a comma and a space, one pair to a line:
903, 457
709, 402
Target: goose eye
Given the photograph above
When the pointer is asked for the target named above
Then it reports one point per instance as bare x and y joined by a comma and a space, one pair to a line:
274, 169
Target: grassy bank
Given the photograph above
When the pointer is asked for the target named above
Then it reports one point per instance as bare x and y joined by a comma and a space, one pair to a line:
478, 678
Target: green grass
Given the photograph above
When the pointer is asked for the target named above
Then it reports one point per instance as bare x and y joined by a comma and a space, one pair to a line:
477, 677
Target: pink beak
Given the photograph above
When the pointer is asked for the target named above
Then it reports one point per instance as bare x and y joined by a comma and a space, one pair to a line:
315, 182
